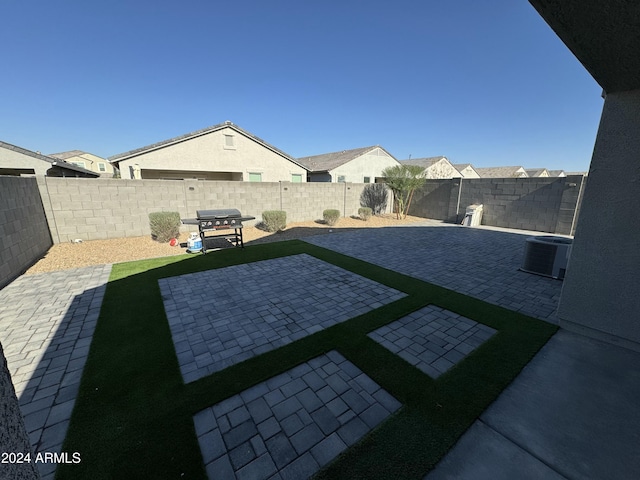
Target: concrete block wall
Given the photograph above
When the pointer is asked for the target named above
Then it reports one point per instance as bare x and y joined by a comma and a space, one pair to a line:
116, 208
540, 204
24, 234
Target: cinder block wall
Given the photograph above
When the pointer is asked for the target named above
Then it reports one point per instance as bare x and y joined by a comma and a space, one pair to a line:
540, 204
115, 208
24, 235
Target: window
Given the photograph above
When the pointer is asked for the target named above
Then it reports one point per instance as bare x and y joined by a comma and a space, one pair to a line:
102, 167
255, 177
229, 142
341, 178
296, 178
367, 179
78, 164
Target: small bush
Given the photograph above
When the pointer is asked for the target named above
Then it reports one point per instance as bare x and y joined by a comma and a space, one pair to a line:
164, 225
274, 220
364, 213
331, 216
375, 197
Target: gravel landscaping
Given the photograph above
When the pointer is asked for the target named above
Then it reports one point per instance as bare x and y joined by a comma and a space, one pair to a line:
98, 252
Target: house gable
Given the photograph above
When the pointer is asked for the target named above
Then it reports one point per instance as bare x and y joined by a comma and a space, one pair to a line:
222, 152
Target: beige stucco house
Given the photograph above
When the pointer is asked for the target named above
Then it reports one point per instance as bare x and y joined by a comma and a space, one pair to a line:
359, 165
435, 167
88, 161
466, 170
221, 152
19, 161
502, 172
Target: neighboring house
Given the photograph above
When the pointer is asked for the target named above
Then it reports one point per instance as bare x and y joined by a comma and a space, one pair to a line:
19, 161
466, 170
502, 172
557, 173
360, 165
434, 167
538, 172
220, 152
88, 161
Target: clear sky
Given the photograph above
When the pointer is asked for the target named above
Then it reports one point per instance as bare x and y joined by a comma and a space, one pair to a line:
485, 82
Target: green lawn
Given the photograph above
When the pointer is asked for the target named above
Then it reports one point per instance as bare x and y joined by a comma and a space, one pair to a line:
133, 414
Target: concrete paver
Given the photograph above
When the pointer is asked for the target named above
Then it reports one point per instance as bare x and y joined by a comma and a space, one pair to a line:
46, 325
221, 317
282, 426
432, 339
478, 262
570, 414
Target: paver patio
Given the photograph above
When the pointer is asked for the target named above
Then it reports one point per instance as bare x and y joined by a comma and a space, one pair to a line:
47, 320
478, 262
46, 325
293, 424
221, 317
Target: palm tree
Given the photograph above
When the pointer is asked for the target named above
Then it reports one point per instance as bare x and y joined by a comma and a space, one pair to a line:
403, 180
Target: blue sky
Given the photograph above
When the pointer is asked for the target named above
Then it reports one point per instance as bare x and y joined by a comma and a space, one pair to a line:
485, 82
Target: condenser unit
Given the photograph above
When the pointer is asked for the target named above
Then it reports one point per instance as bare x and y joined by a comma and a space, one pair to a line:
547, 255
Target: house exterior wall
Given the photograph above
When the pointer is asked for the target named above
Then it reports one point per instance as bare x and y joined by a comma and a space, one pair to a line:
208, 153
16, 160
94, 163
370, 165
469, 172
600, 292
442, 169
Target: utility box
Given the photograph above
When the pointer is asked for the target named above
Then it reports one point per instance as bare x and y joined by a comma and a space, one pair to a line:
473, 216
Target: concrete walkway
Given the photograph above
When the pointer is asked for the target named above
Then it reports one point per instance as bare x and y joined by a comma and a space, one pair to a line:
570, 414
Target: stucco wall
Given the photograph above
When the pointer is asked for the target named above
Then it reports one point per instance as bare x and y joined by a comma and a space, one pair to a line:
370, 165
600, 292
24, 234
11, 159
209, 153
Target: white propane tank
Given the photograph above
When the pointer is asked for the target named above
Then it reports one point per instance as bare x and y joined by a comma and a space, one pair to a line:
194, 243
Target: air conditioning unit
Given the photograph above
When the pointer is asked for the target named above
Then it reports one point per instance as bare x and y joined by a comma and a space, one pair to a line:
547, 255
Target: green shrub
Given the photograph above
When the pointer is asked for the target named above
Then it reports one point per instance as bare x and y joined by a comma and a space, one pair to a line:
374, 196
331, 216
164, 225
364, 213
274, 220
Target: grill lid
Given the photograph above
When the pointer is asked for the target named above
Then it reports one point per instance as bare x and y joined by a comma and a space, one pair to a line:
217, 214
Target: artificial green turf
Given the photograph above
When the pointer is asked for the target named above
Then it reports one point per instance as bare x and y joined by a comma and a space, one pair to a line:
133, 414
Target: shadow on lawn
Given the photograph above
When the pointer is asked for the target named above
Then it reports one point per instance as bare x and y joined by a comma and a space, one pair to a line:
133, 414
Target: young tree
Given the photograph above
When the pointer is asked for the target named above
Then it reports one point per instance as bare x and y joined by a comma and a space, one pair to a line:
403, 180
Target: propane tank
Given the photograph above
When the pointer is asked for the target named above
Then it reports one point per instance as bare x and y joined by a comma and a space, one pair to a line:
194, 243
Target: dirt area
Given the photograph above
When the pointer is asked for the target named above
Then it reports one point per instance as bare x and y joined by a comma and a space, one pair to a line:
97, 252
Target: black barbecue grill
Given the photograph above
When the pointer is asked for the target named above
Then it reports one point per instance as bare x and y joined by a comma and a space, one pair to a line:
219, 220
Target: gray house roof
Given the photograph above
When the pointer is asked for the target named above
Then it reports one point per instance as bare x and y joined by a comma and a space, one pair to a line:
536, 172
69, 154
188, 136
425, 162
556, 173
500, 172
329, 161
55, 162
